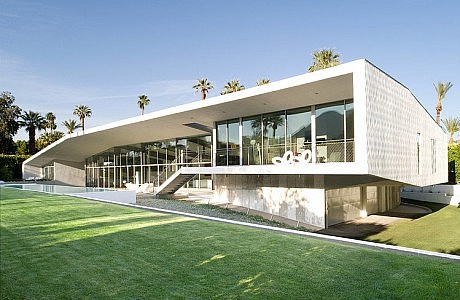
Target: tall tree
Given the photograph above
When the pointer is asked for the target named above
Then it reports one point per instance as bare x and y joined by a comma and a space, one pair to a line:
32, 121
143, 101
82, 112
232, 86
452, 126
441, 89
262, 81
50, 121
324, 58
22, 147
9, 115
203, 86
71, 125
47, 138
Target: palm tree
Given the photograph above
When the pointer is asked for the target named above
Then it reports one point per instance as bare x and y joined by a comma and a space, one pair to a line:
48, 138
262, 81
453, 126
50, 121
203, 86
232, 86
82, 112
441, 89
71, 125
143, 101
32, 121
324, 58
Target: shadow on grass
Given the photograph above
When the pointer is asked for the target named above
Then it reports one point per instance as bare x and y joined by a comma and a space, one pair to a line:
354, 230
455, 251
431, 205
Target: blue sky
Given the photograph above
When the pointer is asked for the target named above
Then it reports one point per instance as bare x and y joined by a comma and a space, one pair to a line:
55, 55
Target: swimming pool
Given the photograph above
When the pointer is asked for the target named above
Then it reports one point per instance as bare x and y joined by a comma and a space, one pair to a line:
56, 189
111, 195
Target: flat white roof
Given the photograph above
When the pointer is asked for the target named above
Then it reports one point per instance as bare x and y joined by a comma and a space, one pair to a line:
311, 88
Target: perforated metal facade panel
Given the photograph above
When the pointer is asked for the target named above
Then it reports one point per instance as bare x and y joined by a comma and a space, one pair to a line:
400, 134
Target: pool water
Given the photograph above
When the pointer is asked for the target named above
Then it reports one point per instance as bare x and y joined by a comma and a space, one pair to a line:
56, 189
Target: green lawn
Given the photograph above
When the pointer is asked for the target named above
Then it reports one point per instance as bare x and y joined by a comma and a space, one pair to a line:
59, 247
438, 231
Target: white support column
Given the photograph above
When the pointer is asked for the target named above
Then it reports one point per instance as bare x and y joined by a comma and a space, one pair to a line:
240, 140
313, 134
214, 145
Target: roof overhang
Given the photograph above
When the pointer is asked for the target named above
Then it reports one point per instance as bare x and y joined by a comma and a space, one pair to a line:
197, 117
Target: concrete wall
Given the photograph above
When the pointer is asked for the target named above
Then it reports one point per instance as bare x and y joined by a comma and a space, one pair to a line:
445, 194
29, 171
372, 205
303, 197
394, 117
343, 204
350, 203
70, 173
290, 196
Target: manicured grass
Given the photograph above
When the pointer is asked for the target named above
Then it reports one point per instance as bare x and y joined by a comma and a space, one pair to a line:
438, 231
59, 247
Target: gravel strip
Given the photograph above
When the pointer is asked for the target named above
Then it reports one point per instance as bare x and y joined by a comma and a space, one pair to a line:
202, 209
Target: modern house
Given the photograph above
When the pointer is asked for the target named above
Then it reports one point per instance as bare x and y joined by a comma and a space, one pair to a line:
320, 148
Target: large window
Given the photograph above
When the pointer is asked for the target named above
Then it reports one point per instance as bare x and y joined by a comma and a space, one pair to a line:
298, 130
228, 144
274, 134
221, 150
149, 162
271, 135
332, 140
252, 140
233, 143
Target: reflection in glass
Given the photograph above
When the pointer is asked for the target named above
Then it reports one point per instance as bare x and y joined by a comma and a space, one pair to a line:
252, 141
274, 136
221, 151
233, 143
298, 130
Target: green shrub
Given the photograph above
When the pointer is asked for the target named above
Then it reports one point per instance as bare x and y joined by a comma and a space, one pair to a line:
11, 166
453, 157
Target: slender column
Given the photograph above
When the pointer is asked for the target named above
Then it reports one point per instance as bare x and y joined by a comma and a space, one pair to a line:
214, 145
313, 134
240, 140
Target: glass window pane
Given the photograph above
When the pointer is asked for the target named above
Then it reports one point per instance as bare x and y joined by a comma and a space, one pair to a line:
299, 130
233, 142
330, 144
221, 151
274, 134
252, 141
350, 132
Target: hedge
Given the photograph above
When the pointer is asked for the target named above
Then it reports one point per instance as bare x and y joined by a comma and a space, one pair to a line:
11, 166
453, 156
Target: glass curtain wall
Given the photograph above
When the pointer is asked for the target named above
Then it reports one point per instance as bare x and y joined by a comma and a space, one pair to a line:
271, 135
149, 163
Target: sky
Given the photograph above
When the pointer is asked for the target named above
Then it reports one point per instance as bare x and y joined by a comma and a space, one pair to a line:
56, 55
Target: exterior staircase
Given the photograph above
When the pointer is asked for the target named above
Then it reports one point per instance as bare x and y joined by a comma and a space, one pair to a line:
173, 183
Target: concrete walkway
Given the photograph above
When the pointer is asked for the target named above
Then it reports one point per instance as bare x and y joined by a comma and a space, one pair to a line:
361, 228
